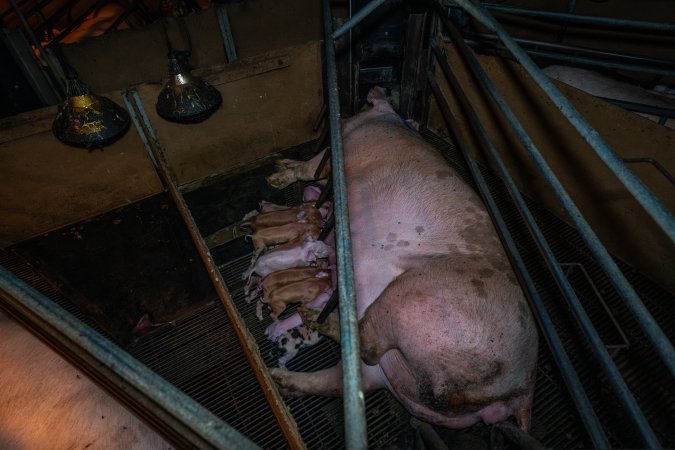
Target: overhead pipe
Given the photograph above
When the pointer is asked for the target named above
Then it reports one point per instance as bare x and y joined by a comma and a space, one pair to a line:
191, 424
572, 382
578, 18
656, 336
354, 403
592, 336
356, 18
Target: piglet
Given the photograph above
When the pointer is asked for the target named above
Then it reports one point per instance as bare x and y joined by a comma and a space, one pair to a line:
282, 234
278, 328
298, 292
292, 341
302, 214
303, 255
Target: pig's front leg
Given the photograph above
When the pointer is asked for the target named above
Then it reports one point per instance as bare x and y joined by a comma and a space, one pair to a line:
326, 382
290, 171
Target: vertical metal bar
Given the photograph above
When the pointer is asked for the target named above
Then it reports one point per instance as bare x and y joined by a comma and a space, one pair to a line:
286, 422
56, 84
572, 382
356, 18
354, 404
197, 425
226, 31
597, 346
578, 18
22, 54
657, 337
79, 20
634, 185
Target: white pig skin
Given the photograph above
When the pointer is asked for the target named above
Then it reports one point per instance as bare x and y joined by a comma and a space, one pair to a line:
45, 403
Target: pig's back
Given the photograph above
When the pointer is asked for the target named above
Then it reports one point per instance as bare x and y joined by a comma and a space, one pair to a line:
406, 202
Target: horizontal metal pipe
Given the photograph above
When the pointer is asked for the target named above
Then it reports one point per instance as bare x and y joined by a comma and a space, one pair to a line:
659, 340
354, 403
212, 431
577, 60
593, 62
641, 107
578, 18
597, 346
572, 49
356, 18
572, 382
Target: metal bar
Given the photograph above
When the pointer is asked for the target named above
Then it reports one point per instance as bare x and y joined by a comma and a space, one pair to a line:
56, 84
659, 340
195, 424
356, 18
226, 31
326, 229
572, 382
578, 18
354, 404
641, 108
597, 346
329, 307
322, 163
11, 8
654, 163
601, 299
53, 18
23, 55
574, 59
79, 20
122, 17
592, 62
626, 57
319, 118
325, 192
286, 422
579, 60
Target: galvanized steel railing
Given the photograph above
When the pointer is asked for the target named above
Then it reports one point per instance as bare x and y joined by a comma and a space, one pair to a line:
186, 422
644, 196
651, 204
354, 403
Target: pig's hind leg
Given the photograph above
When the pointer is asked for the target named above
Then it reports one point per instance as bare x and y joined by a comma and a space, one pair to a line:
290, 171
326, 382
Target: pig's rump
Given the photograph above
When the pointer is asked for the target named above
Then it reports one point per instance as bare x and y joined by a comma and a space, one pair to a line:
453, 338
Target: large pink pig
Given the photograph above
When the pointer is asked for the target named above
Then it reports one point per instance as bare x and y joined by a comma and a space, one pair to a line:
443, 323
